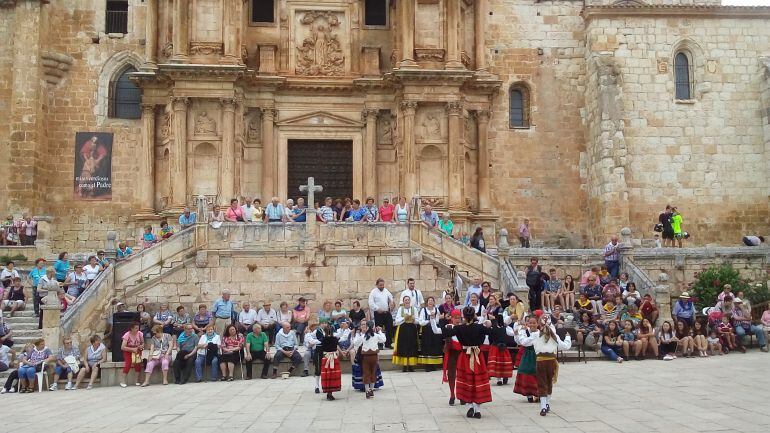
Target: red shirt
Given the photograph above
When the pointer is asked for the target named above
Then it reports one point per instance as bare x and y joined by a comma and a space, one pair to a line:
386, 213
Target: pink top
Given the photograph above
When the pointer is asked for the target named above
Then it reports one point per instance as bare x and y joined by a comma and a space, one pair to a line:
302, 316
386, 213
234, 214
133, 340
766, 318
584, 278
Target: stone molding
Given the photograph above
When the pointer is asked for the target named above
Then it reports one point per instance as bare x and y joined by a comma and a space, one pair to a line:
759, 12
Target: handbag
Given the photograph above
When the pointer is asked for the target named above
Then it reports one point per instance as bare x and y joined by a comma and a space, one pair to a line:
136, 358
658, 227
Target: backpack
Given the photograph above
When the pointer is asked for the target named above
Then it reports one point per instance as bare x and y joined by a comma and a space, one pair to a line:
533, 276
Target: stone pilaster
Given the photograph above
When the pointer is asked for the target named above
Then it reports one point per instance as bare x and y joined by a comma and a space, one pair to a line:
232, 17
178, 162
410, 175
456, 158
151, 35
268, 153
146, 179
482, 123
479, 30
406, 27
453, 35
370, 154
180, 29
227, 157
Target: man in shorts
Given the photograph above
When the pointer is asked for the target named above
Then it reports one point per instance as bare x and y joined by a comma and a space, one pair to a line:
668, 231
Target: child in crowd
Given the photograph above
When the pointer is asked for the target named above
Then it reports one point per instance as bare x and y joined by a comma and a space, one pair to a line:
148, 238
526, 382
726, 333
667, 341
714, 344
629, 339
367, 342
166, 231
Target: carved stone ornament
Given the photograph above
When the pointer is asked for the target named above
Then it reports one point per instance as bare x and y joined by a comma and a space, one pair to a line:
465, 59
165, 129
385, 129
244, 53
436, 202
321, 50
429, 54
254, 129
205, 125
206, 48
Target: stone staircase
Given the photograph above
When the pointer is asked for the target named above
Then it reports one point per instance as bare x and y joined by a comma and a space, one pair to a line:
23, 324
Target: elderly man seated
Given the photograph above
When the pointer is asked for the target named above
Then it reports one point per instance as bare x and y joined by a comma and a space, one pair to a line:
743, 326
286, 347
267, 318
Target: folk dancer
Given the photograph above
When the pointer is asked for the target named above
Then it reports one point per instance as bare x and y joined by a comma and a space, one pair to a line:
331, 376
526, 382
472, 383
405, 349
499, 361
431, 344
366, 343
452, 349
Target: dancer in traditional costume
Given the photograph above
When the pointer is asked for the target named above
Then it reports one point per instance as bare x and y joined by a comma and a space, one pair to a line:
546, 344
431, 343
499, 361
331, 376
313, 343
526, 382
452, 349
472, 383
366, 344
405, 349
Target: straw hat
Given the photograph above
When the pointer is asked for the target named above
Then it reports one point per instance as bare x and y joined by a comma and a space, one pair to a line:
684, 295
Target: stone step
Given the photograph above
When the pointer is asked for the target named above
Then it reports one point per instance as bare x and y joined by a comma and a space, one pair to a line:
15, 326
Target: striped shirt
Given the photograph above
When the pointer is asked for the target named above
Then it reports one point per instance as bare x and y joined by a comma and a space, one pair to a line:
615, 256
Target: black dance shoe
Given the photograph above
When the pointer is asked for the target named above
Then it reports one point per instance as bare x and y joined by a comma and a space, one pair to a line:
470, 413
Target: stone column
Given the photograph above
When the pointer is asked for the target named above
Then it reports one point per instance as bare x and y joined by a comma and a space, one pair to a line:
410, 175
178, 161
232, 15
456, 158
151, 36
370, 154
51, 312
146, 185
406, 26
180, 35
482, 123
227, 157
453, 35
268, 154
479, 15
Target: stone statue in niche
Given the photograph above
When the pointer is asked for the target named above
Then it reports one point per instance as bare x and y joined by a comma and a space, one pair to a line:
431, 126
386, 130
165, 129
321, 50
254, 129
204, 125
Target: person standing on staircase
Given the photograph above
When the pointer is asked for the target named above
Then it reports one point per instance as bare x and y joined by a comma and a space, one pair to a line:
533, 278
222, 310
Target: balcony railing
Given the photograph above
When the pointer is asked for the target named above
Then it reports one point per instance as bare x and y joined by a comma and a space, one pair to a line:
117, 22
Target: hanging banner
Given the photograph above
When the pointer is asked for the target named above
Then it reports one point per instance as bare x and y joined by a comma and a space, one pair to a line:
93, 165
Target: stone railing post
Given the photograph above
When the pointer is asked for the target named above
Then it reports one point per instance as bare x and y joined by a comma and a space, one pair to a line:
503, 247
626, 247
111, 245
522, 290
201, 205
51, 312
663, 297
43, 241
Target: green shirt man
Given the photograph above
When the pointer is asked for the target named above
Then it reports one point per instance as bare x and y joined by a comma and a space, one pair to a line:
256, 343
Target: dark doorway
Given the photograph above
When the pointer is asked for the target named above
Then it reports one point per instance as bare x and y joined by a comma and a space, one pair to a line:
329, 162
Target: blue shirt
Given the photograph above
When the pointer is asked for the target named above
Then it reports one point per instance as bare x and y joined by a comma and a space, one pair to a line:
431, 219
187, 221
222, 309
274, 212
357, 214
149, 237
282, 341
36, 274
684, 309
123, 254
301, 218
61, 268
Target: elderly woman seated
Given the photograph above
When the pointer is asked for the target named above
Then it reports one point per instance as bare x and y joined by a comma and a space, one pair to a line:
96, 355
33, 363
67, 363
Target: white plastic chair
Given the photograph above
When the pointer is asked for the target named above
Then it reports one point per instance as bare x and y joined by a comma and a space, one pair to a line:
40, 376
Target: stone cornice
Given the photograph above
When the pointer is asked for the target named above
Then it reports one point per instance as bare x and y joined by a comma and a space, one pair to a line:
667, 11
316, 84
432, 75
174, 71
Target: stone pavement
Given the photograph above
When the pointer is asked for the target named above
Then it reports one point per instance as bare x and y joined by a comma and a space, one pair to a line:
728, 393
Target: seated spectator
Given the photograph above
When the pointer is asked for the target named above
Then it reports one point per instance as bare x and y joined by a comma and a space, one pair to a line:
246, 318
684, 309
32, 364
208, 353
726, 334
300, 317
645, 334
630, 345
715, 345
286, 347
67, 363
132, 346
299, 213
357, 315
65, 300
357, 213
623, 282
234, 212
166, 231
203, 319
387, 211
145, 319
649, 309
284, 313
765, 320
631, 295
727, 290
339, 314
13, 376
604, 276
187, 219
216, 217
232, 344
123, 252
165, 318
160, 354
584, 279
6, 358
326, 213
746, 306
725, 306
446, 225
610, 291
372, 212
587, 332
267, 319
148, 238
667, 341
187, 345
612, 343
92, 269
593, 292
700, 336
181, 319
632, 314
15, 299
325, 313
551, 293
743, 325
76, 281
584, 305
8, 274
96, 355
610, 312
257, 347
684, 338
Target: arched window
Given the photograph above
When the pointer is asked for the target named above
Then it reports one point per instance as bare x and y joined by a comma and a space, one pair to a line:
125, 97
518, 111
682, 76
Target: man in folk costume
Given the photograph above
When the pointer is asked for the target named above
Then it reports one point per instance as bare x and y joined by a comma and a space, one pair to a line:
331, 376
367, 343
526, 381
313, 342
472, 383
405, 348
546, 344
452, 349
431, 343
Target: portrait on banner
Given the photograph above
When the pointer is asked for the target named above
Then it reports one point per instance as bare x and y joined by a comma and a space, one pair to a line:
93, 166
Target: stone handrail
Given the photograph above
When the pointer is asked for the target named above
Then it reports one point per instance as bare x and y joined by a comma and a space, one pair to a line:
87, 309
638, 276
153, 258
452, 250
509, 282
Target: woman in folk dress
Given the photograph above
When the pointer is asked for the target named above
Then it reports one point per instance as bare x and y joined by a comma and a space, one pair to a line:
405, 349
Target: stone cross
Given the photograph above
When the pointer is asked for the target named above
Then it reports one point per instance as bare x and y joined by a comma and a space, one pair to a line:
311, 188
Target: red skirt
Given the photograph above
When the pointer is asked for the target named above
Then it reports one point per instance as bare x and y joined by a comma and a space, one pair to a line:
472, 386
499, 363
519, 355
331, 377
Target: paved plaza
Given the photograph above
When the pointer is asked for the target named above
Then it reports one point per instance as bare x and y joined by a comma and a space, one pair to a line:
728, 393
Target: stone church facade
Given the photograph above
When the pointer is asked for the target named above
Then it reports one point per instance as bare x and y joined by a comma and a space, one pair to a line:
584, 117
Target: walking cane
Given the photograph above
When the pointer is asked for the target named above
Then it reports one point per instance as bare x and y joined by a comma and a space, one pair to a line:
240, 358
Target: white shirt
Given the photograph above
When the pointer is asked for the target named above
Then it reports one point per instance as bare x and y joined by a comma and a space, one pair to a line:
342, 334
92, 271
266, 318
371, 344
481, 312
472, 289
541, 346
247, 317
4, 351
285, 317
402, 312
7, 275
310, 339
204, 340
248, 213
415, 295
423, 317
380, 300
